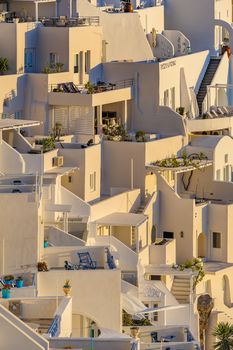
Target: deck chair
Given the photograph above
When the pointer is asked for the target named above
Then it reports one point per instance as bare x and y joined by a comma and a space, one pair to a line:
69, 266
86, 262
65, 88
214, 113
221, 112
2, 283
209, 115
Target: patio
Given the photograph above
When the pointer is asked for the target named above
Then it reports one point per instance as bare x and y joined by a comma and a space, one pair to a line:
129, 228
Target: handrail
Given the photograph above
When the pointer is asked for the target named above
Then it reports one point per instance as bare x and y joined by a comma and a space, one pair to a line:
54, 328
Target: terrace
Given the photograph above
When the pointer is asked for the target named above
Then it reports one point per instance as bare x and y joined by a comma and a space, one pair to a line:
23, 183
96, 258
90, 94
95, 105
61, 21
48, 316
180, 164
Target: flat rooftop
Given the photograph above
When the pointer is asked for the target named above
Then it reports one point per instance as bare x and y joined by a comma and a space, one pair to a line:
216, 266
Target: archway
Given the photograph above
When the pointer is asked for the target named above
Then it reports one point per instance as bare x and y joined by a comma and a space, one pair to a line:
153, 234
201, 245
226, 291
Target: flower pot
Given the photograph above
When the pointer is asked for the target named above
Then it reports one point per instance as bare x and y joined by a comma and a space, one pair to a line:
67, 291
19, 283
6, 293
9, 282
128, 7
134, 332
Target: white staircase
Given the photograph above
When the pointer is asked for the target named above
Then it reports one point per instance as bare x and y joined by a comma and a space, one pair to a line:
181, 289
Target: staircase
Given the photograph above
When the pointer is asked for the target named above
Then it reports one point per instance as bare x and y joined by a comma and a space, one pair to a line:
181, 289
208, 77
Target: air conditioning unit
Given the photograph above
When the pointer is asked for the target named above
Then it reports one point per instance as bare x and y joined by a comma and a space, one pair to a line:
58, 161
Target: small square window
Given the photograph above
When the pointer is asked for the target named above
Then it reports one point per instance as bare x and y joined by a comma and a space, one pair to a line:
216, 240
168, 235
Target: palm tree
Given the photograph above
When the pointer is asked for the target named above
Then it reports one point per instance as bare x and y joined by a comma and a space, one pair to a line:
224, 334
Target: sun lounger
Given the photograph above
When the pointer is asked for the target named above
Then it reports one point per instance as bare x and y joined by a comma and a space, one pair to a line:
86, 262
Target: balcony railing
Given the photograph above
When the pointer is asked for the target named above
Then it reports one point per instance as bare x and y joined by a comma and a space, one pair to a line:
54, 329
90, 88
62, 21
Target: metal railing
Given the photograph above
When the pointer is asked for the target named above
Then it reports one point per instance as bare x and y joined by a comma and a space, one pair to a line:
54, 328
62, 21
70, 87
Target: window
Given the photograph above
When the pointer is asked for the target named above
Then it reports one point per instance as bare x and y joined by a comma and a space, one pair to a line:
146, 315
76, 58
53, 58
169, 235
216, 240
226, 158
69, 178
218, 174
155, 316
166, 98
93, 181
155, 278
173, 97
87, 61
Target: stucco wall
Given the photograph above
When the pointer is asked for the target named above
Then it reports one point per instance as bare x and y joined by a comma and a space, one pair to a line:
19, 228
90, 297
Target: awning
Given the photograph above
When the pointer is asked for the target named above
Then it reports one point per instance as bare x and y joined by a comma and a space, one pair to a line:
6, 124
59, 208
162, 308
62, 170
122, 219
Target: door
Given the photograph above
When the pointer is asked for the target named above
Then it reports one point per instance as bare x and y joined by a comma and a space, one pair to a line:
29, 61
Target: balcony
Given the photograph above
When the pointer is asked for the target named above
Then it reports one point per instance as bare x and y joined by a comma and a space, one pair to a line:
69, 94
163, 252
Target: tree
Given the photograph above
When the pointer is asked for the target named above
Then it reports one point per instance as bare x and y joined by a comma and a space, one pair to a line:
224, 334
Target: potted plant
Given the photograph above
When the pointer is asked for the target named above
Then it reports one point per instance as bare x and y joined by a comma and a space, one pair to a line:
57, 130
59, 67
180, 110
67, 288
4, 65
6, 291
19, 282
42, 266
140, 136
90, 88
48, 144
9, 279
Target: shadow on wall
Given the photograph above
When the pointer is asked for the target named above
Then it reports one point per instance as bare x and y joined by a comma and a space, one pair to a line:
13, 100
96, 73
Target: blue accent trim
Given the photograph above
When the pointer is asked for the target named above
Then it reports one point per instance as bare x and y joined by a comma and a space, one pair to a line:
54, 328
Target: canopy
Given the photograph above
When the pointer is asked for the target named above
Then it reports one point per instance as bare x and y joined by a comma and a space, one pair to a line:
8, 123
122, 219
